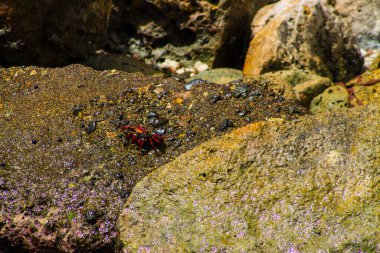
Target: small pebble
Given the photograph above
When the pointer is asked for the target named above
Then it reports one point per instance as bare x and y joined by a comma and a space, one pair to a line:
194, 82
241, 91
152, 115
91, 127
34, 141
157, 122
242, 113
215, 98
227, 123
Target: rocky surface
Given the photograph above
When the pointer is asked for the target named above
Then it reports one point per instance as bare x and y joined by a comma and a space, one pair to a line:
363, 19
214, 32
361, 90
51, 32
305, 34
297, 84
66, 168
309, 185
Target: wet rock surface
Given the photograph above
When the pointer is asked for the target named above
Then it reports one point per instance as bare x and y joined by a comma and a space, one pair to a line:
51, 33
66, 168
304, 186
303, 34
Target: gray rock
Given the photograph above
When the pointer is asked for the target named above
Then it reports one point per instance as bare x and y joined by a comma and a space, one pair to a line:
362, 17
309, 185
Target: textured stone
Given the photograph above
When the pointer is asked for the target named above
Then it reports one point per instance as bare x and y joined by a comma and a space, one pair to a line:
363, 19
51, 32
297, 84
309, 185
363, 89
305, 34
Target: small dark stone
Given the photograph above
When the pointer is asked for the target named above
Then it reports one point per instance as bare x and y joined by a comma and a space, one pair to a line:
157, 122
152, 115
160, 131
293, 110
119, 175
227, 123
91, 127
215, 98
3, 164
228, 95
91, 216
34, 141
241, 91
59, 139
77, 110
242, 113
123, 193
35, 87
189, 85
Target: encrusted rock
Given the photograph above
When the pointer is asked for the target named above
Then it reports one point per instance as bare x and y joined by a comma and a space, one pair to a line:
305, 34
305, 186
53, 32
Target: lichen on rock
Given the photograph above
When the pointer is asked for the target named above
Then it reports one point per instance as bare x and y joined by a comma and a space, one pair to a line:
304, 186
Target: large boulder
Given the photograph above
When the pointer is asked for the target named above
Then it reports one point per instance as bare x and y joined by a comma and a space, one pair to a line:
303, 34
66, 168
363, 18
51, 32
310, 185
214, 32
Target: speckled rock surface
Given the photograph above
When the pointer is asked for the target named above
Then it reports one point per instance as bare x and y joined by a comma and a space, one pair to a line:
51, 32
66, 168
363, 17
306, 34
219, 75
309, 185
298, 84
214, 32
361, 90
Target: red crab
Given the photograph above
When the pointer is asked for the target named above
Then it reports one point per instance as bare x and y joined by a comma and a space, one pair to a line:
143, 138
